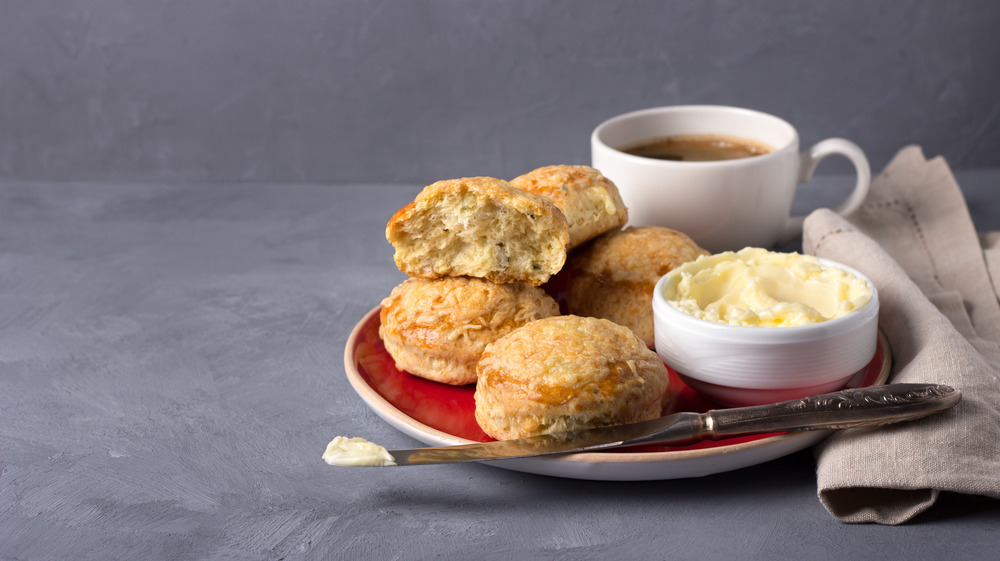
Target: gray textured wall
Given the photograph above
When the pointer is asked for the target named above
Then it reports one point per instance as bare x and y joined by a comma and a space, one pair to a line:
414, 91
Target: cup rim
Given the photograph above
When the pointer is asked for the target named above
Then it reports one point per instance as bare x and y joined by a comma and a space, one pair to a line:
596, 140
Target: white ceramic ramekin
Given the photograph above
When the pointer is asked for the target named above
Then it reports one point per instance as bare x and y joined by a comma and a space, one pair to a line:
738, 365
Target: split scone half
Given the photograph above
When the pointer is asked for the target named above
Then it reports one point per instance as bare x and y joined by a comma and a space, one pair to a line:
479, 227
566, 373
613, 277
438, 328
589, 200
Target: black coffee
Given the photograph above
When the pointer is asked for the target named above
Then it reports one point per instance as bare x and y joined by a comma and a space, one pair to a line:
698, 148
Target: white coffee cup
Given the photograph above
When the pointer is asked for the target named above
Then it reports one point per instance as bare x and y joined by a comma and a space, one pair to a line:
725, 204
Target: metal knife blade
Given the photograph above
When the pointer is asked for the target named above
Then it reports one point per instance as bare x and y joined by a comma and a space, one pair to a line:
870, 406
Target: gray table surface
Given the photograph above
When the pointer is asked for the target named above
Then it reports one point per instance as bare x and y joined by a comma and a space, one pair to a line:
172, 368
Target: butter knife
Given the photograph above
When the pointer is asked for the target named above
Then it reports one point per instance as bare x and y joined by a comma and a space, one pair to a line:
859, 407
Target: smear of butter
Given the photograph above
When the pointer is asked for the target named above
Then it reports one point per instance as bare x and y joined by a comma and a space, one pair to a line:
343, 451
756, 287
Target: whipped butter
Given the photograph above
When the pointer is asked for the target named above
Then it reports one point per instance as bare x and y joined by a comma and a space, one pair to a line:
756, 287
356, 452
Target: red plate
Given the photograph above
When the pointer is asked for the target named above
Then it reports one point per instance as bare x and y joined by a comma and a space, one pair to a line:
433, 412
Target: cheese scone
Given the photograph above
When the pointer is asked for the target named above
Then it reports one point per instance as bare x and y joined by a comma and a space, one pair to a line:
589, 200
479, 227
565, 373
437, 328
613, 277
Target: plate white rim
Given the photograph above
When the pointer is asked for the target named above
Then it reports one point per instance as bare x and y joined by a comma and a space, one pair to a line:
604, 465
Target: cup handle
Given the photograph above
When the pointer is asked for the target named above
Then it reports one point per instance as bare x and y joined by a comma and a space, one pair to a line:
808, 161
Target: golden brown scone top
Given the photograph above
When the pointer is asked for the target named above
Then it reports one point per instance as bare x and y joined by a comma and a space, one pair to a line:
480, 227
613, 277
564, 373
637, 254
438, 328
590, 201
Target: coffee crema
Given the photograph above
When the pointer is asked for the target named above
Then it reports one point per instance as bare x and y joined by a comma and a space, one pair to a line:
698, 148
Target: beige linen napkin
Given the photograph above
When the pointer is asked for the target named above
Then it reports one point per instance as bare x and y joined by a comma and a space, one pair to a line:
940, 312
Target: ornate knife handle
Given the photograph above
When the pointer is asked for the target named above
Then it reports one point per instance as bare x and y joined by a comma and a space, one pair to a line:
873, 405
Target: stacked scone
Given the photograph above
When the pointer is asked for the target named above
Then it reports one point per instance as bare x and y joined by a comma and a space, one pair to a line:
613, 277
478, 251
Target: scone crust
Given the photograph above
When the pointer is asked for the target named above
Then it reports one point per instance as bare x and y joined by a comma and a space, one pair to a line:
564, 373
613, 277
438, 328
481, 227
590, 201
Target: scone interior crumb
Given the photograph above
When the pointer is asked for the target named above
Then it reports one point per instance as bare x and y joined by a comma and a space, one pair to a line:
475, 224
488, 230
